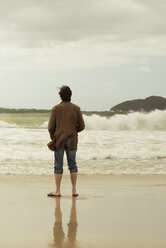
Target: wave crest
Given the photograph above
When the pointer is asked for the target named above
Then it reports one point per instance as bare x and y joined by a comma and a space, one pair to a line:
4, 124
155, 120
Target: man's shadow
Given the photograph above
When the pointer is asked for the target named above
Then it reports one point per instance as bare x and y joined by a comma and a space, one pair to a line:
59, 236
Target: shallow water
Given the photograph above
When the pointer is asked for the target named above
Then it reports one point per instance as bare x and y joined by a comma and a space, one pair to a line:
101, 150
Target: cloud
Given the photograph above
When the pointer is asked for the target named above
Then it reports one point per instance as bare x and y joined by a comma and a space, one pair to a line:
60, 20
76, 33
143, 68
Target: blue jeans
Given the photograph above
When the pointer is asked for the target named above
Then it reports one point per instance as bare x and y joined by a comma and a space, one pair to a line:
71, 158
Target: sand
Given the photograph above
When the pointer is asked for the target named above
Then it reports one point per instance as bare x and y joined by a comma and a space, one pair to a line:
111, 212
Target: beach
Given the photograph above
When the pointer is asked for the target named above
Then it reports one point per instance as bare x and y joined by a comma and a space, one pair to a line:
89, 76
121, 184
117, 211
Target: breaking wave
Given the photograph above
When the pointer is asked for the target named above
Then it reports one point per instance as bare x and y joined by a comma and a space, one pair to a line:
155, 120
4, 124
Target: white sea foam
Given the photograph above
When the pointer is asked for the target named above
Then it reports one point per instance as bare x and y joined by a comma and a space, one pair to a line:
44, 125
4, 124
122, 144
155, 120
99, 152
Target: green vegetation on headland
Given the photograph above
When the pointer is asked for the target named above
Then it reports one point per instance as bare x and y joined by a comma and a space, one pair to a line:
46, 111
22, 111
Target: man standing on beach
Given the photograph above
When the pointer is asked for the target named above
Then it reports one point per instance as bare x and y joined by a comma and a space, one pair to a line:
65, 122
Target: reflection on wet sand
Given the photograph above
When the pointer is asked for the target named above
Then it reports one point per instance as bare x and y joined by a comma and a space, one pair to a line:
59, 235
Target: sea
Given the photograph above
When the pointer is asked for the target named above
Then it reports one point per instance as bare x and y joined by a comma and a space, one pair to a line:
122, 144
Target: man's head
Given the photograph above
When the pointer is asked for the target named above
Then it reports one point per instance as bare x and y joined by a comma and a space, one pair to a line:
65, 93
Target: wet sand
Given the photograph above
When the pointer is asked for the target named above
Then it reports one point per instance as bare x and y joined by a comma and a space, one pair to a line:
111, 212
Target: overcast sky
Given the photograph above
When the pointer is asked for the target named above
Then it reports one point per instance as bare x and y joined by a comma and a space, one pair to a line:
107, 51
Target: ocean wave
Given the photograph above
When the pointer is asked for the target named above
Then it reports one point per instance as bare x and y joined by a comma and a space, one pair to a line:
44, 125
4, 124
155, 120
99, 152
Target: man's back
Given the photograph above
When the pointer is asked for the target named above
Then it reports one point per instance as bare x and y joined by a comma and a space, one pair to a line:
65, 121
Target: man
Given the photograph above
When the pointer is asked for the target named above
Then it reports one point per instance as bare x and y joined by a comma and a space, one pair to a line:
65, 122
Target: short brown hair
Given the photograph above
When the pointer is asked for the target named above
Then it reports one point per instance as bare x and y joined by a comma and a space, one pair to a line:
65, 93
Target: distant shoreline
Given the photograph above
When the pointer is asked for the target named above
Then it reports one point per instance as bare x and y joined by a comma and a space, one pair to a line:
22, 111
88, 113
46, 111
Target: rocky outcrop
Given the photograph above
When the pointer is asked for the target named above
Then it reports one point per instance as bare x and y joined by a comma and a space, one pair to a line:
147, 104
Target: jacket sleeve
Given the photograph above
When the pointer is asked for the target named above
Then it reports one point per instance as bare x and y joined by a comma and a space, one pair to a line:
80, 123
52, 124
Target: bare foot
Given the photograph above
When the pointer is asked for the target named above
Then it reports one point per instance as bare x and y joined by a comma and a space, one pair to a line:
74, 194
54, 194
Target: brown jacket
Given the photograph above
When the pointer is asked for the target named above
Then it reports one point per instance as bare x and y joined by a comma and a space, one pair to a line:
66, 120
